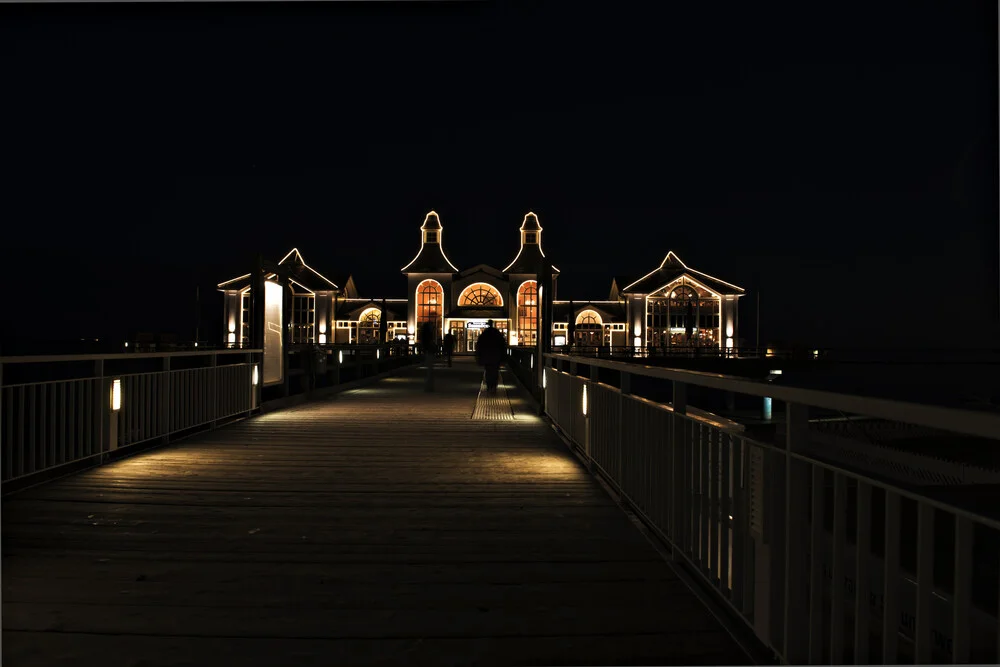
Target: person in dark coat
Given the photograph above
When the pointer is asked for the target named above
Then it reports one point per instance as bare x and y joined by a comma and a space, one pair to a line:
449, 346
428, 339
490, 352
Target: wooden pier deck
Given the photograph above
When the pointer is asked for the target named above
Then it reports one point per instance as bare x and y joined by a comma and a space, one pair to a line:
385, 526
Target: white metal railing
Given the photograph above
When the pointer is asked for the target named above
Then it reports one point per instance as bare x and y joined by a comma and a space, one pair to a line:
47, 423
749, 516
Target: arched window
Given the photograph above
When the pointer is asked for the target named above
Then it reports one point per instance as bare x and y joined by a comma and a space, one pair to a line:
589, 329
480, 294
430, 304
368, 326
527, 313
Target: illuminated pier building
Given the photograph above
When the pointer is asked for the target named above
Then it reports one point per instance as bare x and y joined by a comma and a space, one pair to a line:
671, 306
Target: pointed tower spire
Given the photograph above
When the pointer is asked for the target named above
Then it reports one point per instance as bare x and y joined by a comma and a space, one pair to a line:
530, 254
431, 257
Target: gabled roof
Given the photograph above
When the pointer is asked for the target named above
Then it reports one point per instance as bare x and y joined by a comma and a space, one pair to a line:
481, 268
305, 274
616, 287
672, 268
299, 272
431, 257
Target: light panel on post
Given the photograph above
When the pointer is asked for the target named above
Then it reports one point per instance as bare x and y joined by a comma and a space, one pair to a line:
584, 400
544, 376
255, 376
340, 357
116, 395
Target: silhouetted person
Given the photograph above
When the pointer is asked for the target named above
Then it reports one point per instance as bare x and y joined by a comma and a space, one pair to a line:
428, 339
449, 346
490, 354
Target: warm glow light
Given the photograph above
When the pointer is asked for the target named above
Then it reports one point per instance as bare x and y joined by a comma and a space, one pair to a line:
637, 330
538, 239
584, 400
729, 342
322, 327
465, 299
770, 352
196, 343
232, 325
231, 338
775, 372
544, 376
378, 353
815, 353
116, 395
440, 233
295, 253
322, 339
126, 343
637, 341
340, 357
532, 361
729, 330
409, 329
686, 268
255, 376
513, 338
560, 341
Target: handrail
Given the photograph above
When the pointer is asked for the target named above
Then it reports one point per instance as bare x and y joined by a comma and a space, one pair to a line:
55, 358
965, 422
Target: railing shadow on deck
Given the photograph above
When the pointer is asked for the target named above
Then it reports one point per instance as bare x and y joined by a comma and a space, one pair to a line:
768, 524
63, 413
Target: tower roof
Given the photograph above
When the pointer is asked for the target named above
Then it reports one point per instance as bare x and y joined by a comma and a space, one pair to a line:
431, 221
431, 258
531, 223
530, 257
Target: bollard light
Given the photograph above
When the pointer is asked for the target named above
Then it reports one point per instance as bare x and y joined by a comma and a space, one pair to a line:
254, 377
584, 400
116, 395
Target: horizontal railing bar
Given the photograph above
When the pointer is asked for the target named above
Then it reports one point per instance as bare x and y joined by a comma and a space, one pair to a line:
52, 358
965, 422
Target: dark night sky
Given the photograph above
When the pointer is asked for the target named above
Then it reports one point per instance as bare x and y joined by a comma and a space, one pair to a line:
839, 159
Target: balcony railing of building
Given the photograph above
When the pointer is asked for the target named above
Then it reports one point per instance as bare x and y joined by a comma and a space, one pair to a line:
60, 413
822, 561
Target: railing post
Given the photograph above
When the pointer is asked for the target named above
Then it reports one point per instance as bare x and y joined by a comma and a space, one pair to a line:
214, 387
678, 455
796, 539
100, 406
166, 401
625, 389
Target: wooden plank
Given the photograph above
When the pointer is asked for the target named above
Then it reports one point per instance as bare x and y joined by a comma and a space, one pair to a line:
347, 531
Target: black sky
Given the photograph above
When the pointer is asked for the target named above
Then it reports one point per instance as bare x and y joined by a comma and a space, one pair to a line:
839, 159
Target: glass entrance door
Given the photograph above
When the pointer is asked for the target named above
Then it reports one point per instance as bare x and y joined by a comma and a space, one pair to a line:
471, 336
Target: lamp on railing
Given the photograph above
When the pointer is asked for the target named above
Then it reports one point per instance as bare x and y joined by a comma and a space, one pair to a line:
116, 395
